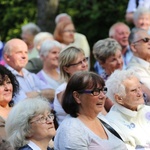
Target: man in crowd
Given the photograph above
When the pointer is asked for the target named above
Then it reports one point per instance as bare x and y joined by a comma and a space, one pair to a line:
16, 57
139, 41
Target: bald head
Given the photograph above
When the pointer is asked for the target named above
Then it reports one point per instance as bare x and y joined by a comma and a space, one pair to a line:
12, 44
16, 54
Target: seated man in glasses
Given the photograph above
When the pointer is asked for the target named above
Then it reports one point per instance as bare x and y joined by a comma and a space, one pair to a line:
139, 41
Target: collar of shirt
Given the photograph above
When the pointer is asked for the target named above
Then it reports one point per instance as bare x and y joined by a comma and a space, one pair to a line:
33, 145
25, 72
105, 76
142, 62
127, 111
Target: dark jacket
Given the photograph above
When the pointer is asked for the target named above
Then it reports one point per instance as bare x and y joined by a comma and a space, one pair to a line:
27, 147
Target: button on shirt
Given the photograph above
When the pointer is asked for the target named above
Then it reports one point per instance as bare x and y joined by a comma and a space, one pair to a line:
28, 82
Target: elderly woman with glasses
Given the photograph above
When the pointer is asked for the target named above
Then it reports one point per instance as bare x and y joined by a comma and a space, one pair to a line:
82, 129
30, 125
129, 116
65, 34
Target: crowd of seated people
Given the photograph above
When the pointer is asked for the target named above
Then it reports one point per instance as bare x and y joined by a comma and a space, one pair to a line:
49, 98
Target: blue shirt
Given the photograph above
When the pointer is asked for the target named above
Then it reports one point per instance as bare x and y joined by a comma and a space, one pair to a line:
1, 50
28, 82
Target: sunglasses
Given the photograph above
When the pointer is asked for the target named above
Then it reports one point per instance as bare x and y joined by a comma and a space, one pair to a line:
145, 40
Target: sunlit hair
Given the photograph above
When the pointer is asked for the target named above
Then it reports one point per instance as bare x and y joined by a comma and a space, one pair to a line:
105, 48
40, 37
79, 81
133, 35
31, 28
58, 33
112, 30
140, 11
59, 16
115, 84
47, 46
11, 45
18, 127
66, 57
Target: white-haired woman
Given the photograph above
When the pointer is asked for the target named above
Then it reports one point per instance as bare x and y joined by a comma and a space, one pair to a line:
30, 126
49, 53
141, 18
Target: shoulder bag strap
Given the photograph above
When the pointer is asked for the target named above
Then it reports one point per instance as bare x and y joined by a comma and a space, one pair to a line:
111, 129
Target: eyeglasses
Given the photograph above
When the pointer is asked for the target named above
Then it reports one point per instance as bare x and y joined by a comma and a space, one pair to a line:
70, 31
79, 63
94, 92
44, 119
145, 40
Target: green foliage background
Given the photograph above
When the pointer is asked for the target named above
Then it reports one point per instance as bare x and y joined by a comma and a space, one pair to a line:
91, 17
94, 17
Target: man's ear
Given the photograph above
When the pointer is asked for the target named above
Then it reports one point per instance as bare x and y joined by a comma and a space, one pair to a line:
6, 57
132, 46
76, 96
118, 99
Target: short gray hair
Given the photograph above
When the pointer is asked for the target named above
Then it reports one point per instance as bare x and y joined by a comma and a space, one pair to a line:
32, 28
58, 17
47, 46
17, 125
105, 48
133, 34
40, 37
112, 29
140, 11
115, 84
66, 57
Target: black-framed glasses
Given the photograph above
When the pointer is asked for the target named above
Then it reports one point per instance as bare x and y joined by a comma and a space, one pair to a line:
94, 92
78, 63
44, 119
145, 40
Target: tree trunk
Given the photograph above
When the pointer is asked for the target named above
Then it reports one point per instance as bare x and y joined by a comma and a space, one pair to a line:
46, 14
